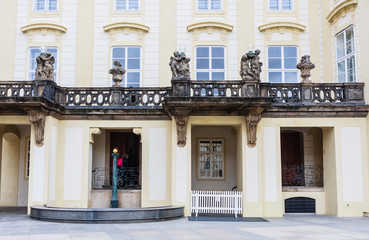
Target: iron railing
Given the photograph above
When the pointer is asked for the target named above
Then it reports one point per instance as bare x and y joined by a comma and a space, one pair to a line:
302, 175
216, 89
127, 178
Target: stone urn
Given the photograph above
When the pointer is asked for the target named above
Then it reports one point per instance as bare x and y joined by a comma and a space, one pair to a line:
117, 71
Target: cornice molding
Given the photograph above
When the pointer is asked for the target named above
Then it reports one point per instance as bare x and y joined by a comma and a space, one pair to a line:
292, 25
134, 25
210, 24
43, 25
339, 8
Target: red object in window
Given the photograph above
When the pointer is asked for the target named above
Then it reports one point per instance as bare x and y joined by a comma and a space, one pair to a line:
120, 162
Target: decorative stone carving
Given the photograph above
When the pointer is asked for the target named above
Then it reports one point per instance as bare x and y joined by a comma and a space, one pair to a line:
94, 131
117, 71
252, 120
138, 131
250, 66
179, 65
38, 121
45, 68
305, 66
181, 123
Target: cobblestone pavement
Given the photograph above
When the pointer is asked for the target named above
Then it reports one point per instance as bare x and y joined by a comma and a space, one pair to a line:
18, 226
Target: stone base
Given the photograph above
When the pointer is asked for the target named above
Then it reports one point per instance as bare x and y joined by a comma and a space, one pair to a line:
100, 198
105, 215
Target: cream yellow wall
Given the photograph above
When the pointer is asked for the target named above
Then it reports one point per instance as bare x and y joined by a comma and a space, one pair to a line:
8, 28
9, 169
84, 45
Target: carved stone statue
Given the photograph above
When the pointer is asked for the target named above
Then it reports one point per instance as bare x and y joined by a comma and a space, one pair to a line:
38, 121
250, 66
117, 71
305, 66
45, 68
252, 121
179, 65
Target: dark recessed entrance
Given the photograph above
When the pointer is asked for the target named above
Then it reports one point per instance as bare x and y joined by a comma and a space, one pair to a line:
299, 205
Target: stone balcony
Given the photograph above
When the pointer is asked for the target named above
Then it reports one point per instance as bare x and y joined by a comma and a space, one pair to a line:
251, 99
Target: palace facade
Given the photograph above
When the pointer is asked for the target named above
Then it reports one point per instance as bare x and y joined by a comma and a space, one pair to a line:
241, 120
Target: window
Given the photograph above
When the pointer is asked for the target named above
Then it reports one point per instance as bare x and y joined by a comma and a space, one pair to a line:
126, 5
46, 5
27, 158
345, 42
209, 5
130, 58
34, 52
280, 5
282, 61
211, 159
210, 63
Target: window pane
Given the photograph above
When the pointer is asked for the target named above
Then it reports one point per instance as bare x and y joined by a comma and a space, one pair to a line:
350, 63
274, 63
121, 4
202, 76
217, 63
40, 5
202, 52
274, 52
341, 78
340, 46
133, 5
133, 79
53, 5
351, 69
286, 4
341, 67
273, 5
350, 46
290, 63
351, 75
275, 77
119, 53
202, 4
216, 4
290, 52
290, 77
202, 64
217, 76
217, 52
133, 64
133, 52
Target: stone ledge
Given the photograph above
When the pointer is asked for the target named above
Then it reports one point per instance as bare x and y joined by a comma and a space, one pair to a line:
106, 215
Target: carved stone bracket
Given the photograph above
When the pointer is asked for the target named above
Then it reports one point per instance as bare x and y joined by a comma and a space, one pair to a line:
38, 121
94, 131
252, 120
181, 124
138, 131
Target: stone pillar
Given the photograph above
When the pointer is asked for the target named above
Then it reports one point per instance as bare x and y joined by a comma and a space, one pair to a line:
181, 87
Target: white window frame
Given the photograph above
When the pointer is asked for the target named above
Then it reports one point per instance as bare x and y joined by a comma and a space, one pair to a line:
217, 173
211, 70
280, 4
124, 83
209, 6
282, 69
46, 7
31, 72
127, 6
346, 56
